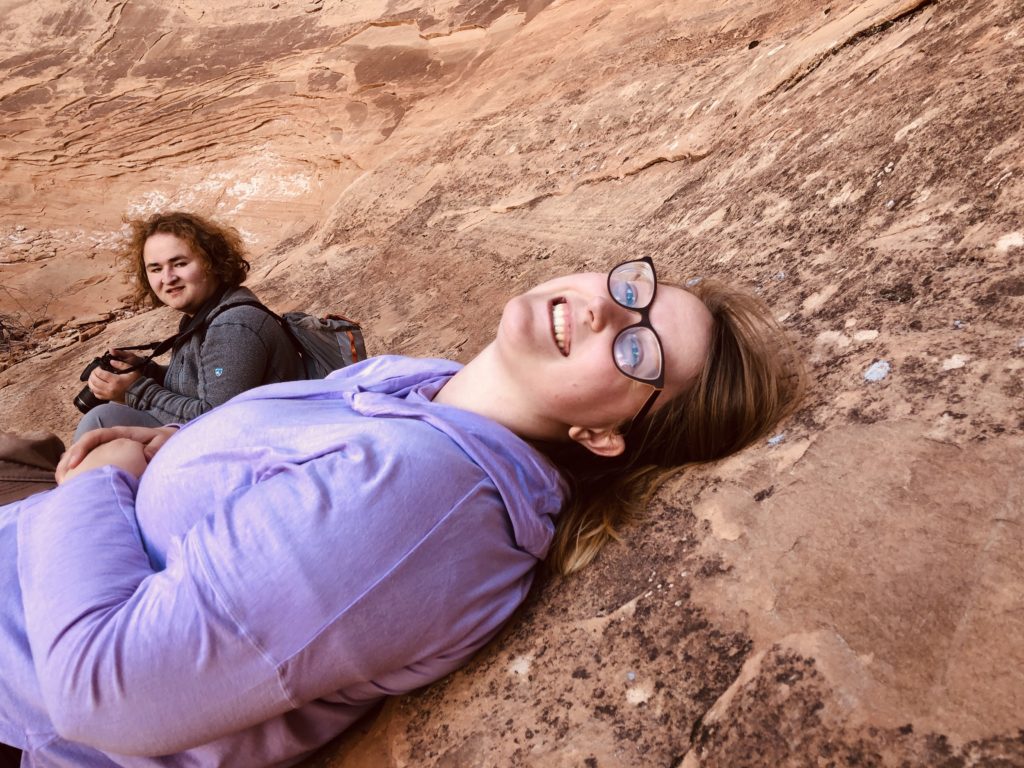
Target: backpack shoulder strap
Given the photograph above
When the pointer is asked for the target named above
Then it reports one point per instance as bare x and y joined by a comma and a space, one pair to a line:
258, 305
240, 303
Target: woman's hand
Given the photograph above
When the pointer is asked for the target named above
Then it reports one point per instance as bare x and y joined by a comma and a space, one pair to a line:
149, 439
128, 357
122, 452
112, 386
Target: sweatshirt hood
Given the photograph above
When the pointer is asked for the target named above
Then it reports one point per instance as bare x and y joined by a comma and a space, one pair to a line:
389, 386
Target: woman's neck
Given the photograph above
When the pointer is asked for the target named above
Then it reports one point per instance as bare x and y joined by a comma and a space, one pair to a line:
481, 388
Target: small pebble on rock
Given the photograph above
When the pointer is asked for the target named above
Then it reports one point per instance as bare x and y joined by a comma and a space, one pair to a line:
878, 370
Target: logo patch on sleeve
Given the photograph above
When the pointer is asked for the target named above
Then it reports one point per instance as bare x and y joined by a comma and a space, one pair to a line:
218, 371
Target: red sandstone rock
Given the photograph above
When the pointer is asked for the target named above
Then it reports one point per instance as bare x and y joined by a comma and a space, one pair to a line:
853, 593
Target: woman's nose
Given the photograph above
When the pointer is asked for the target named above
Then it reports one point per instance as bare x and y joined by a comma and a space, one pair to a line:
603, 312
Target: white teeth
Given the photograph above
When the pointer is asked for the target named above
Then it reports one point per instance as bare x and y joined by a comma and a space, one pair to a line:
558, 323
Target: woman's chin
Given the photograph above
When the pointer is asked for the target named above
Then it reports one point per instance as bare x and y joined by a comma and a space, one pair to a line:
518, 323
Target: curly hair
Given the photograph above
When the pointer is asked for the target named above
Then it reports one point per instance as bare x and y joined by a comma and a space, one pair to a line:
219, 246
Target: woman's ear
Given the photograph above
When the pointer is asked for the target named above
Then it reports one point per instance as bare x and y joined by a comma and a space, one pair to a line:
607, 442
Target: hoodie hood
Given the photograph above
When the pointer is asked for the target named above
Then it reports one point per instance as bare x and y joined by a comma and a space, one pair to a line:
390, 386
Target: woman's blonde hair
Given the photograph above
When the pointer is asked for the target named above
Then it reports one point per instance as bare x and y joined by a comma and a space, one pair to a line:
220, 247
751, 380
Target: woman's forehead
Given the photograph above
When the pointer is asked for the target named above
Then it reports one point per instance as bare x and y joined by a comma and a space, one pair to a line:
683, 324
165, 245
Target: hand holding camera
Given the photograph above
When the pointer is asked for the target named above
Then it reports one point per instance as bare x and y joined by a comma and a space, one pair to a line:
108, 377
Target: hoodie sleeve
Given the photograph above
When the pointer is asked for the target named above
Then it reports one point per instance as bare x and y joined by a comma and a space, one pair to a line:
130, 660
354, 571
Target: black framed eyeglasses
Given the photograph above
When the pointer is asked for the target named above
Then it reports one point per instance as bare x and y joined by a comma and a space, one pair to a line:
637, 350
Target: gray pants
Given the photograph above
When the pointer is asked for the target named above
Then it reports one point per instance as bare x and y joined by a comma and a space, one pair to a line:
114, 415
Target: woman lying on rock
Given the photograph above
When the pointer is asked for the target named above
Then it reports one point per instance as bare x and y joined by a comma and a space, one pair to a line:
295, 555
194, 266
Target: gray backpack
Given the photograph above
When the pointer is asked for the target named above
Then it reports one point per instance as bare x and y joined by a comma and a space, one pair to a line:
324, 344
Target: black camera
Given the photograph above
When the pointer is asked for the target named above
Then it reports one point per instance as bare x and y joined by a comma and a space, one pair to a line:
85, 400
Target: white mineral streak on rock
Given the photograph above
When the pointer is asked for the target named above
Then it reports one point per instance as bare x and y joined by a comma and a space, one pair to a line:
520, 666
818, 299
1011, 240
955, 362
639, 694
836, 339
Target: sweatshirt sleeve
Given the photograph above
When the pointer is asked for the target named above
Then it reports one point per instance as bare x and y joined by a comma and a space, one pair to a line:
338, 573
130, 660
233, 357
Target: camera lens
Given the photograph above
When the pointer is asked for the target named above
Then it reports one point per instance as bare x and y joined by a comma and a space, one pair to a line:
85, 400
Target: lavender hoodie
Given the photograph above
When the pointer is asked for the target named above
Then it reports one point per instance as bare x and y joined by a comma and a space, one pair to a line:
286, 560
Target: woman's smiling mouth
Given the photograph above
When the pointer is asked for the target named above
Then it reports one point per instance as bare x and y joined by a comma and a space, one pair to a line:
560, 326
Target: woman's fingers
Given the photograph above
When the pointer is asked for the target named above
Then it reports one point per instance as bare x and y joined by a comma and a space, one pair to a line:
112, 386
97, 437
125, 453
92, 440
128, 358
62, 467
150, 439
80, 448
157, 441
97, 383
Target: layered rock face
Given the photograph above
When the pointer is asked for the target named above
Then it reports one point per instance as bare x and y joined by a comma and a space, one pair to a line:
850, 592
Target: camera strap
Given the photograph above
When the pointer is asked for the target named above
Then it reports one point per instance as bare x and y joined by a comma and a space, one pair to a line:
197, 322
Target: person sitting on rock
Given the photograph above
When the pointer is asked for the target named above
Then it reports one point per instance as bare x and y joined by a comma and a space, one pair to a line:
193, 265
239, 591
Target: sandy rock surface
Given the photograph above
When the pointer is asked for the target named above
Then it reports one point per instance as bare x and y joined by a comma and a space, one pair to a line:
850, 592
